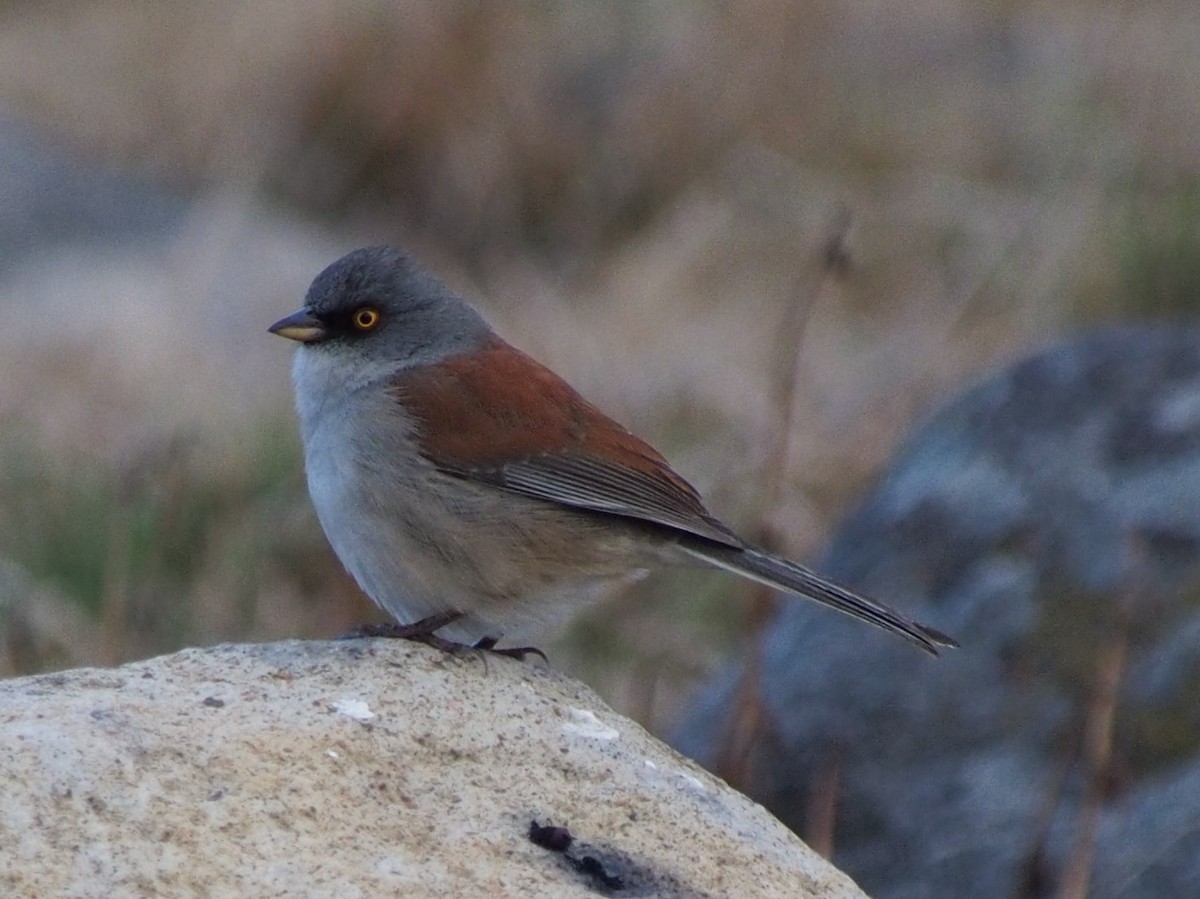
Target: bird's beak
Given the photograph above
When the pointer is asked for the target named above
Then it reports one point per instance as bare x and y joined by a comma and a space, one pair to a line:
302, 326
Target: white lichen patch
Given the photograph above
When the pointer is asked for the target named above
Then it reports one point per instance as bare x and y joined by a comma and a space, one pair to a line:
353, 708
584, 723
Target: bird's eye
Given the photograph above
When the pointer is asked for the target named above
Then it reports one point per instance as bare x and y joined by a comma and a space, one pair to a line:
365, 318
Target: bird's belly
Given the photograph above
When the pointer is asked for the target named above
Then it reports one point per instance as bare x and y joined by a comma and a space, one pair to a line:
514, 566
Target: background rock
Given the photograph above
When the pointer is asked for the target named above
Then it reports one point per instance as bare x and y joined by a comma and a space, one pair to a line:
362, 768
52, 197
1050, 519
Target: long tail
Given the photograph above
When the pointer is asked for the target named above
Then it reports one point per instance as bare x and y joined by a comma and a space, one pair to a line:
777, 572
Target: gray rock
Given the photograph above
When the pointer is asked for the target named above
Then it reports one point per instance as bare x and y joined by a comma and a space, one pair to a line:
1021, 519
363, 768
52, 196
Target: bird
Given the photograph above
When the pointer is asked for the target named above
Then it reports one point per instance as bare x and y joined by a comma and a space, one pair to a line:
470, 491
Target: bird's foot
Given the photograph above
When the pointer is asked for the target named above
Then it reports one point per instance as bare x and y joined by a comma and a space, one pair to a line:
422, 631
488, 644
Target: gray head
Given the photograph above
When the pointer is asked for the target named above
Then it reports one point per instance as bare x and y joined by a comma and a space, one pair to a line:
389, 310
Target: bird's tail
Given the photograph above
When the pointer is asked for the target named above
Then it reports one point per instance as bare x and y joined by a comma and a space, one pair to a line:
790, 577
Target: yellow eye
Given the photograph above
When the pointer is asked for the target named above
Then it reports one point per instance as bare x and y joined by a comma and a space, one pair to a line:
366, 318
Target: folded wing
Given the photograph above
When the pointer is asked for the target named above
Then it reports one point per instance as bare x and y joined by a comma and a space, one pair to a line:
499, 417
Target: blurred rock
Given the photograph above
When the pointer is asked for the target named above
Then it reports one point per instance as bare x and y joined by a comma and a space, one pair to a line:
363, 768
135, 310
1050, 519
52, 197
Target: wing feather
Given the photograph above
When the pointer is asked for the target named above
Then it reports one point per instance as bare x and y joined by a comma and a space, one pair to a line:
501, 418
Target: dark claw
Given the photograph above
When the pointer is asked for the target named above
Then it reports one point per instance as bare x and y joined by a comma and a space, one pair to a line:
488, 644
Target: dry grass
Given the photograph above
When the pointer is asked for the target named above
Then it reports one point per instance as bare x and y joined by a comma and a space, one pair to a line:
635, 188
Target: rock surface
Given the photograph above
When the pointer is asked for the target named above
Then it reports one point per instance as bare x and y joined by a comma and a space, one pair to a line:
363, 768
1049, 518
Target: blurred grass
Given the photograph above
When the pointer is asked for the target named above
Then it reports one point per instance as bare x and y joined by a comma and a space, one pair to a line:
637, 190
186, 540
1156, 728
1159, 254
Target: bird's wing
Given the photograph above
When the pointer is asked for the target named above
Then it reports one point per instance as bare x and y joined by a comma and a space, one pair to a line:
499, 417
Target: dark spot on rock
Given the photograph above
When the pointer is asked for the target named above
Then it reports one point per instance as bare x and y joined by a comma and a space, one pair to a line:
608, 871
556, 839
213, 703
592, 867
559, 839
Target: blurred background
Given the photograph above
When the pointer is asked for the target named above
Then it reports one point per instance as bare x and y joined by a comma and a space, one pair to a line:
769, 236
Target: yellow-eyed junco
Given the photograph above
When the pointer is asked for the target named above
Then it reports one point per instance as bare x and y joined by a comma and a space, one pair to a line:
469, 489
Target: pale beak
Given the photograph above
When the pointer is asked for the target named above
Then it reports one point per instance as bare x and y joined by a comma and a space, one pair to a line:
302, 326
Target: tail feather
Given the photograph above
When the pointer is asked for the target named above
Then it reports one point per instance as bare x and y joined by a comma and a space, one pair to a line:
794, 578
